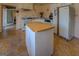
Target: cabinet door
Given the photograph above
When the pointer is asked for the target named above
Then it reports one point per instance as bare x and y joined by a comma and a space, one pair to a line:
30, 41
25, 5
28, 44
0, 18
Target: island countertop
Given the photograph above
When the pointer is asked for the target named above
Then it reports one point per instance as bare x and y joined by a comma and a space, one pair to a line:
38, 26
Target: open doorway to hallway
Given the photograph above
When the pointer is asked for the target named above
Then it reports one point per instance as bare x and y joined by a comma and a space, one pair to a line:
9, 17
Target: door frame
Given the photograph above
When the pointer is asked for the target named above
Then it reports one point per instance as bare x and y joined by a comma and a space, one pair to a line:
7, 7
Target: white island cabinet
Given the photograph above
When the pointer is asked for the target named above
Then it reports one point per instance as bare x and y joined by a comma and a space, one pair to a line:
39, 39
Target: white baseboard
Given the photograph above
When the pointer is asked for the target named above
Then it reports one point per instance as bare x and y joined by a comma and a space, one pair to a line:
8, 27
76, 37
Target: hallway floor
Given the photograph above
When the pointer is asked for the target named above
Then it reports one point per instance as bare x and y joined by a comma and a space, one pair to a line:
12, 43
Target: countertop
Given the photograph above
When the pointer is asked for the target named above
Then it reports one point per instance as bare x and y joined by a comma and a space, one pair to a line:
38, 26
24, 18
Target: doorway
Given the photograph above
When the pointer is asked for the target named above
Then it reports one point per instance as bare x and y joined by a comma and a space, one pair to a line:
8, 18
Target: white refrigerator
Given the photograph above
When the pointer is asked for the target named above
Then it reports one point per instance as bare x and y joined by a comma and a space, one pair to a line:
66, 22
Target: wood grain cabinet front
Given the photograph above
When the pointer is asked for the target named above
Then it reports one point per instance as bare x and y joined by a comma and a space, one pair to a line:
0, 18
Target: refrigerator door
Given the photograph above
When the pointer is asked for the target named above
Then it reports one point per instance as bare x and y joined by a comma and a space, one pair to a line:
64, 22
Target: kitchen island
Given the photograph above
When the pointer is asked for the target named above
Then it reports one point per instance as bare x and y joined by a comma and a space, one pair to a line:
26, 20
39, 38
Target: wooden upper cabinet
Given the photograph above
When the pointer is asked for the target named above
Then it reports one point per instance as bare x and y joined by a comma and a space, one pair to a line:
28, 6
25, 5
44, 8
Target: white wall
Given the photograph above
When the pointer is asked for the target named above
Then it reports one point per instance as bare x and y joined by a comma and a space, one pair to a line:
4, 18
76, 6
